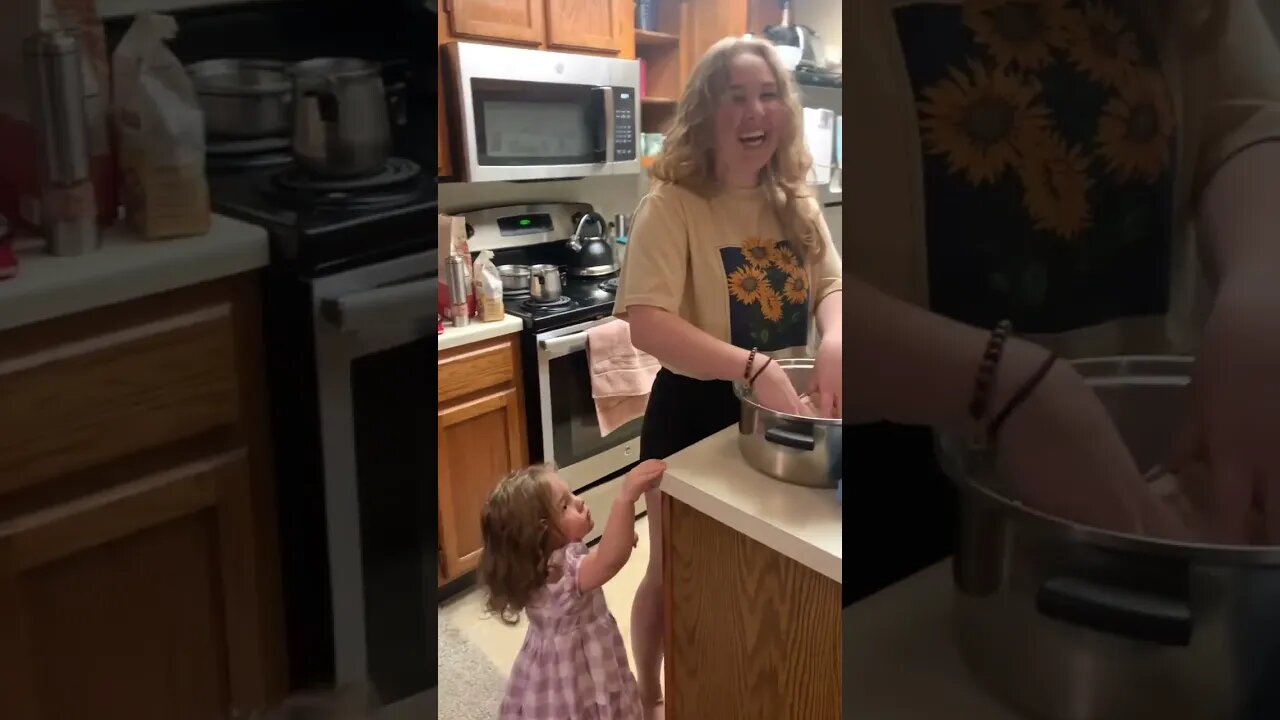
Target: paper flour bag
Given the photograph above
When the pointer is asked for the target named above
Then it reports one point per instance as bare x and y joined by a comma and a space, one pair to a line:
161, 131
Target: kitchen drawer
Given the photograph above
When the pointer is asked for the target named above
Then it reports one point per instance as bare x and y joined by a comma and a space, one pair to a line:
75, 403
475, 367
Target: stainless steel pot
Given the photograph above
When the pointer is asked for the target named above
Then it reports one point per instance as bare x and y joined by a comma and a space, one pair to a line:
340, 126
544, 283
515, 278
1066, 622
791, 448
243, 99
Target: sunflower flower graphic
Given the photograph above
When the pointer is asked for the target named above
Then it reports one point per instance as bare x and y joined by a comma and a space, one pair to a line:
758, 251
975, 120
770, 304
796, 289
1056, 187
784, 259
747, 284
1135, 129
1021, 32
1104, 48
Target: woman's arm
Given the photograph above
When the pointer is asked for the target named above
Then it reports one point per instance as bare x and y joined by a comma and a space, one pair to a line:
910, 366
830, 315
677, 342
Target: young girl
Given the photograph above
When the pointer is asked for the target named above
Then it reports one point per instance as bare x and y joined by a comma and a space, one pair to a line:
573, 665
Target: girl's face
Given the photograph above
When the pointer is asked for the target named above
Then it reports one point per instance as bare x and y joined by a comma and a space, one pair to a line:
750, 118
573, 517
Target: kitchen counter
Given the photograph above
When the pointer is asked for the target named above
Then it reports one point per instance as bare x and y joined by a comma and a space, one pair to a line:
804, 524
752, 579
456, 337
125, 268
900, 662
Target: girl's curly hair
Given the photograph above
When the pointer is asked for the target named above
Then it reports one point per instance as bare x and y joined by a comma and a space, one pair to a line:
518, 526
688, 154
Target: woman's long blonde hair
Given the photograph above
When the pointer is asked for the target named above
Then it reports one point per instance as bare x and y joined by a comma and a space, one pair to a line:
688, 154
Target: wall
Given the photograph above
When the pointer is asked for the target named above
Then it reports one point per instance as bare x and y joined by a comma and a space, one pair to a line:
824, 18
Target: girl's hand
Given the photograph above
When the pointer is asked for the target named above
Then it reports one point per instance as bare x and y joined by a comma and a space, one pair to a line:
645, 476
826, 390
1066, 458
773, 389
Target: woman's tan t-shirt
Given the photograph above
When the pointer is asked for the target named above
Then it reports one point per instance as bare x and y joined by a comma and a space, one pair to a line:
722, 264
1041, 161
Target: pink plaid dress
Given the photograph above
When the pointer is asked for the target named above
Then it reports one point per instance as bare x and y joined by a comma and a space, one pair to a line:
573, 665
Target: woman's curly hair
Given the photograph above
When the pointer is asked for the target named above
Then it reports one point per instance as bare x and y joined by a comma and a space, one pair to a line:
518, 526
688, 154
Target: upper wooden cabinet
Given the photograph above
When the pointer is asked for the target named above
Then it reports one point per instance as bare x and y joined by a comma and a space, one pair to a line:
512, 21
590, 24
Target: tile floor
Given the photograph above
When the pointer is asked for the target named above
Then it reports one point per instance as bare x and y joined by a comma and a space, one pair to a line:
502, 642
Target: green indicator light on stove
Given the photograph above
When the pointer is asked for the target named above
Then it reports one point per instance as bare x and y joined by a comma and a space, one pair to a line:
525, 222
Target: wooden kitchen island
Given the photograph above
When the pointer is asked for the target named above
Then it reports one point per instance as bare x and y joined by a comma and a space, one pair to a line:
752, 576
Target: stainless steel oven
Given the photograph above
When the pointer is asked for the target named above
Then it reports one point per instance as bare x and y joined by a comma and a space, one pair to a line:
570, 429
521, 114
375, 339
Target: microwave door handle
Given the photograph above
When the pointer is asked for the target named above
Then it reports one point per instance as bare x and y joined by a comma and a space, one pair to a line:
603, 104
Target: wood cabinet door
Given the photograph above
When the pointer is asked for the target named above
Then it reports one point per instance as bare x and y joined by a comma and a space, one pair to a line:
514, 21
139, 602
588, 24
481, 440
444, 163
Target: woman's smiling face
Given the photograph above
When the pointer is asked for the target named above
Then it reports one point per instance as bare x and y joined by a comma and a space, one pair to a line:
750, 117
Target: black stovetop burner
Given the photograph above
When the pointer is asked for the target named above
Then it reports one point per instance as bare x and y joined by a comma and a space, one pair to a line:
326, 225
560, 303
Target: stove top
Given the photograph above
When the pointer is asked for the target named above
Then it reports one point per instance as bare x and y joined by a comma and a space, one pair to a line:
321, 226
584, 299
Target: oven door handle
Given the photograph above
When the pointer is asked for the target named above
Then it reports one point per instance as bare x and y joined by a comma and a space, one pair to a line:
404, 302
563, 345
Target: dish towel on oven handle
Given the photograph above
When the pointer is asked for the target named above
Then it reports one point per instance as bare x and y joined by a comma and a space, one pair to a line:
621, 375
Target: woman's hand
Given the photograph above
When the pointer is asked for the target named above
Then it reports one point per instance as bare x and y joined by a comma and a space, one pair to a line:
826, 391
1066, 458
1234, 413
773, 389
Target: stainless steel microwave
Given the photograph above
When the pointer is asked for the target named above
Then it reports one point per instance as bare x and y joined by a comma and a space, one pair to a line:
520, 114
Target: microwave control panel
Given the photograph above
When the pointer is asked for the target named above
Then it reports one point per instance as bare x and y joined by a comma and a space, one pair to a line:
624, 124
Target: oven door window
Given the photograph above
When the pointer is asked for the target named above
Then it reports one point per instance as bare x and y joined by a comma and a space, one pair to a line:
575, 431
522, 123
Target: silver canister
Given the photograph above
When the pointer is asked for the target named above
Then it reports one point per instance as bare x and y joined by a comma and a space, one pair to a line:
456, 268
56, 102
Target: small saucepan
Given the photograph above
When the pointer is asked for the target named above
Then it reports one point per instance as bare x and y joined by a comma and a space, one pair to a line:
544, 283
515, 278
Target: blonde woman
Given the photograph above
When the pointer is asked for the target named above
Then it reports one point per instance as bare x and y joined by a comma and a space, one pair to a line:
730, 260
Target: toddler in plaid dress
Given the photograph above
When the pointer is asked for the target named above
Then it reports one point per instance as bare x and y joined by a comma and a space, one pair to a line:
573, 664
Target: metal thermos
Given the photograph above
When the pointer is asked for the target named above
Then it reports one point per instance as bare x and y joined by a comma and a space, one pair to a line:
56, 102
457, 273
620, 225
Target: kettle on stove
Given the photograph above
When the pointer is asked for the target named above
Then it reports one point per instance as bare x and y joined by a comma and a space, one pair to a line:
591, 255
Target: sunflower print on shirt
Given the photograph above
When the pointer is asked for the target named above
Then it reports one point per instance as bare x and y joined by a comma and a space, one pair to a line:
1047, 135
768, 289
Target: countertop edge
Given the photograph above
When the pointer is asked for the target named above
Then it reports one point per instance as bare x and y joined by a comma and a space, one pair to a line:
238, 247
755, 528
476, 332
